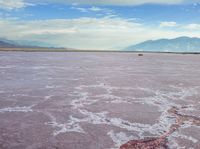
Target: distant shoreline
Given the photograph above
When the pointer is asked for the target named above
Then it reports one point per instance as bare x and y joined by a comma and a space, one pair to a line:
74, 50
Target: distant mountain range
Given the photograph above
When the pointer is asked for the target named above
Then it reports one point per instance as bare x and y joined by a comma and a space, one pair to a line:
181, 44
5, 43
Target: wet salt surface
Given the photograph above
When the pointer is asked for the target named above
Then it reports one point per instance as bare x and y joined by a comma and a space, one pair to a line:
98, 100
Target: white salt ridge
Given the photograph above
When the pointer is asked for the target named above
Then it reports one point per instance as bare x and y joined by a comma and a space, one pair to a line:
163, 100
48, 97
189, 107
118, 101
39, 67
71, 126
187, 124
52, 86
119, 138
185, 92
16, 109
101, 118
194, 140
14, 95
180, 93
173, 144
190, 138
164, 123
81, 101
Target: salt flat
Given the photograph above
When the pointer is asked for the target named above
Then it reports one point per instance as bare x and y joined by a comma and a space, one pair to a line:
86, 100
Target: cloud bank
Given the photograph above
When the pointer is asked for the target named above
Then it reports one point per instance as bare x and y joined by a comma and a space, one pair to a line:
87, 33
14, 4
117, 2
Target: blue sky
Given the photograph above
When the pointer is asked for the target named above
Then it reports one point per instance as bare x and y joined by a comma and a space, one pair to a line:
98, 24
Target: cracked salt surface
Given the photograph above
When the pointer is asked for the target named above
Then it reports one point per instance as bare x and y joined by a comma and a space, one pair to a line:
67, 96
83, 99
159, 100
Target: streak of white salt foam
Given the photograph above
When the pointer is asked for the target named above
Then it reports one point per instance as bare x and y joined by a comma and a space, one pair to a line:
16, 109
39, 67
118, 101
109, 98
6, 67
52, 86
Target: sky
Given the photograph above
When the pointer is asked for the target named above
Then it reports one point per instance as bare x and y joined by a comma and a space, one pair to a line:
98, 24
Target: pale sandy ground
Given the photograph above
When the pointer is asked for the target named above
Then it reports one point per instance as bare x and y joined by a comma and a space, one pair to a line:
97, 100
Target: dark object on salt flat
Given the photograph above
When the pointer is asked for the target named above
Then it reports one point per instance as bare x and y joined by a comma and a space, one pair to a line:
152, 143
140, 54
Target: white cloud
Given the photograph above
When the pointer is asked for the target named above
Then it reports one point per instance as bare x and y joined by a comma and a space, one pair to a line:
193, 27
81, 9
96, 9
168, 24
12, 4
87, 33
